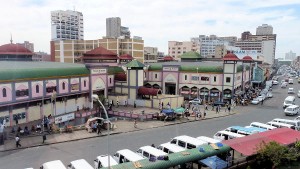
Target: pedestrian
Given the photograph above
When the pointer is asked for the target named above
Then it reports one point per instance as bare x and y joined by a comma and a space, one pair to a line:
134, 104
262, 101
99, 128
159, 106
229, 109
125, 104
135, 123
212, 107
112, 103
117, 103
206, 107
162, 105
16, 119
217, 109
187, 112
18, 141
204, 115
44, 137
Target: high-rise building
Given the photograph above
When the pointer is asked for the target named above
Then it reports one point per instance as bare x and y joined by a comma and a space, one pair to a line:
178, 48
245, 35
27, 45
150, 54
67, 25
114, 29
290, 55
264, 29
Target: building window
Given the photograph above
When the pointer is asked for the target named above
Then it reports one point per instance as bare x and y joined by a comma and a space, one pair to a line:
195, 78
215, 78
63, 85
109, 80
4, 92
37, 89
185, 77
155, 76
227, 79
84, 83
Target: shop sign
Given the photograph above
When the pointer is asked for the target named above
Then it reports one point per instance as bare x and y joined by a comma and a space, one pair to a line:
98, 71
64, 118
172, 69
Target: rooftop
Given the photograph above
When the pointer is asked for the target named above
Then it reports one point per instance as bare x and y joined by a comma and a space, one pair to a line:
14, 49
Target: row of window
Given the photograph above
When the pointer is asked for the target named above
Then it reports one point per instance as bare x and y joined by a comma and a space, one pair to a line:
22, 93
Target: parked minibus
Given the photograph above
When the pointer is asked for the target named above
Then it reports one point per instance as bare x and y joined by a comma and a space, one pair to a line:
208, 139
56, 164
281, 125
187, 142
262, 126
226, 135
170, 148
150, 152
102, 161
126, 155
79, 164
295, 123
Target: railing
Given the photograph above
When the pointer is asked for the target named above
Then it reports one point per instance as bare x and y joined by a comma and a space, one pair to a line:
133, 115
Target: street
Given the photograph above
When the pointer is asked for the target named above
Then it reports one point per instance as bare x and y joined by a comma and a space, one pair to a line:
90, 148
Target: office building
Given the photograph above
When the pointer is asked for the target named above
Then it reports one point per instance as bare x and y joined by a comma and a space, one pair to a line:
290, 56
114, 29
264, 29
245, 35
150, 54
27, 45
67, 25
177, 48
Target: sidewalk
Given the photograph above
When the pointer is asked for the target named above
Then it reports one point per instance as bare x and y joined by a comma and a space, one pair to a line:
123, 126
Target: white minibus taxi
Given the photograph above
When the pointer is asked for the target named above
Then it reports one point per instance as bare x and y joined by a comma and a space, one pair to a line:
280, 125
288, 101
56, 164
170, 148
126, 155
150, 152
295, 123
226, 135
102, 161
79, 164
208, 139
187, 142
262, 126
291, 110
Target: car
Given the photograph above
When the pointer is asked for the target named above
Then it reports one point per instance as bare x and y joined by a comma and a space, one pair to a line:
261, 97
284, 85
255, 101
275, 82
298, 93
195, 101
291, 91
269, 95
282, 81
291, 110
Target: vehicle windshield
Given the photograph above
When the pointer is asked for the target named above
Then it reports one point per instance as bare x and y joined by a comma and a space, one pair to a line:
288, 102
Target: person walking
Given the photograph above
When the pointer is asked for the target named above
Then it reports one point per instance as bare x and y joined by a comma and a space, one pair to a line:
18, 141
206, 106
229, 107
217, 109
117, 103
262, 101
99, 128
44, 137
135, 123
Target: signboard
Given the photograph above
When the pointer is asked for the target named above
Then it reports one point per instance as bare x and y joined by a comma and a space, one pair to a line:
172, 69
64, 118
242, 53
98, 71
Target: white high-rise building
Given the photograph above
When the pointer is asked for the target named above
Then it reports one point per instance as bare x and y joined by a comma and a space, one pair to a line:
67, 25
290, 56
264, 29
114, 29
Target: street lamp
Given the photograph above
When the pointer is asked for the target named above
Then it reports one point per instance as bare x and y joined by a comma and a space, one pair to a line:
43, 113
96, 98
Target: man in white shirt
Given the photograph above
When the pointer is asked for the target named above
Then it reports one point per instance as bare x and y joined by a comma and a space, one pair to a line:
18, 142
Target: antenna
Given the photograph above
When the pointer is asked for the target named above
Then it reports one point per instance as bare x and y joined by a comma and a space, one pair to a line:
11, 41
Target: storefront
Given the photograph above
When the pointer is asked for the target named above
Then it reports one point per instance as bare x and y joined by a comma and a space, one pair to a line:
204, 93
185, 92
214, 94
227, 95
194, 92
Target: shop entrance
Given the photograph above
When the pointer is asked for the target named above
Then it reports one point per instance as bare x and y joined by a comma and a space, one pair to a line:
170, 88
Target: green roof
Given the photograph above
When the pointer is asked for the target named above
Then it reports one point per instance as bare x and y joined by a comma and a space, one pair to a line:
190, 55
135, 63
15, 70
115, 69
176, 158
202, 69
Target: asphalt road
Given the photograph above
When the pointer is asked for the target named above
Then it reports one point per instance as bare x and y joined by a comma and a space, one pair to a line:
90, 148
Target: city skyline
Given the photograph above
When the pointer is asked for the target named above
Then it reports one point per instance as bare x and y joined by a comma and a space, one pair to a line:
157, 24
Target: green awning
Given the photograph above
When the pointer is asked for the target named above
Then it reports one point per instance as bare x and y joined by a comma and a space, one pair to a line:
179, 110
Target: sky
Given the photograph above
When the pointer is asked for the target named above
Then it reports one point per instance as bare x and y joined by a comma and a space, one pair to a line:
156, 21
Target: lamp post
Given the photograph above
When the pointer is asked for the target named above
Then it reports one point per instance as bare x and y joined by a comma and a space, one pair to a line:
198, 83
96, 98
43, 113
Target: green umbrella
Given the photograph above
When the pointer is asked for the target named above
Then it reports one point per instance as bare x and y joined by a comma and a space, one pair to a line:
179, 110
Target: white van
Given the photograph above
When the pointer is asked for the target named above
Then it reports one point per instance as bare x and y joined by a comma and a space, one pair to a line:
56, 164
170, 148
281, 125
262, 126
150, 152
291, 110
79, 164
187, 142
208, 139
102, 161
295, 123
226, 135
288, 101
126, 155
291, 81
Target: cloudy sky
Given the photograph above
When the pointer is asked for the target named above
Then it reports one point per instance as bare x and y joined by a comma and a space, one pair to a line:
157, 21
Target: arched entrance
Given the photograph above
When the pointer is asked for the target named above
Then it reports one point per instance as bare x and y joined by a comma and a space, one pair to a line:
214, 94
194, 92
185, 92
156, 86
204, 93
227, 95
148, 85
170, 84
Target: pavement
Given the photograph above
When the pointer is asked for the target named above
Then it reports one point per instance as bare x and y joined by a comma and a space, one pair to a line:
123, 125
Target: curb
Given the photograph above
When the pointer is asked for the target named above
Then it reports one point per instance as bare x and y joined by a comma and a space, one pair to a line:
115, 133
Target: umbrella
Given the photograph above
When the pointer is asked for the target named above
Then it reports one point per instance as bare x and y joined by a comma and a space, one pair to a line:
179, 110
167, 111
214, 162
